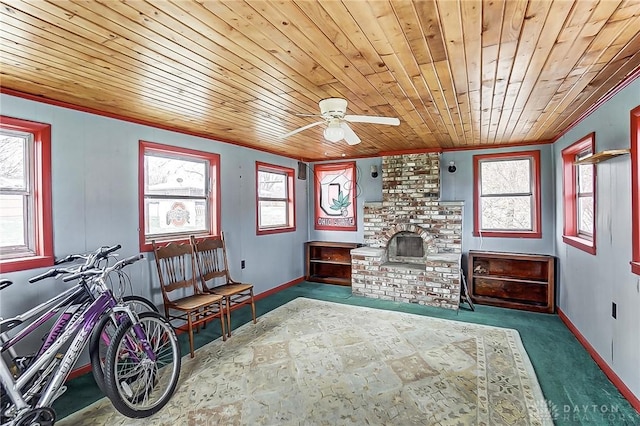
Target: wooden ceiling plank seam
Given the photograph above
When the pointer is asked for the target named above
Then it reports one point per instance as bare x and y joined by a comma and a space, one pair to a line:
166, 92
493, 14
404, 64
319, 48
431, 77
577, 83
535, 18
420, 45
512, 25
269, 46
629, 59
241, 84
471, 18
447, 109
338, 35
208, 63
573, 41
296, 81
630, 66
194, 30
392, 28
554, 22
429, 21
59, 14
251, 26
96, 79
43, 32
458, 98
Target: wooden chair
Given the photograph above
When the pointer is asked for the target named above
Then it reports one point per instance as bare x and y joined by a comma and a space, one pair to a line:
177, 275
211, 259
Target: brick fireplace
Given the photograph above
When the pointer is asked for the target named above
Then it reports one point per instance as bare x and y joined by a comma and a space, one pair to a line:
413, 241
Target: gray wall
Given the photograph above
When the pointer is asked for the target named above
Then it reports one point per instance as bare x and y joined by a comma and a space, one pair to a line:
95, 202
589, 284
459, 186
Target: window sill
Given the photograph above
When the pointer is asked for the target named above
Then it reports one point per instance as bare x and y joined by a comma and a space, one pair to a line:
146, 246
25, 263
580, 243
275, 231
503, 234
635, 267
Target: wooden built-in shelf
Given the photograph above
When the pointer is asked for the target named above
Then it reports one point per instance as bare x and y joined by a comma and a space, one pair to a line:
512, 280
328, 262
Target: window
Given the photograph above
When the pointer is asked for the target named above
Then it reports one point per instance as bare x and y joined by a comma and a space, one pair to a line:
507, 195
276, 199
579, 187
635, 188
179, 193
26, 236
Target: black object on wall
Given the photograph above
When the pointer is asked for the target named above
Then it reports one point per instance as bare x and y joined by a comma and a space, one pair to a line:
302, 170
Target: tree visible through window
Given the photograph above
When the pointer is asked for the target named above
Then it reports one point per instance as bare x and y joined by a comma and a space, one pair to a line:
579, 187
507, 194
179, 193
275, 199
25, 195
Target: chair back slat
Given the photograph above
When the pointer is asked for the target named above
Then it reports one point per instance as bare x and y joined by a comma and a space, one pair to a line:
176, 270
211, 261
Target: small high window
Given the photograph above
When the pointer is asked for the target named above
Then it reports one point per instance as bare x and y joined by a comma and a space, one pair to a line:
579, 187
26, 237
275, 199
507, 195
179, 193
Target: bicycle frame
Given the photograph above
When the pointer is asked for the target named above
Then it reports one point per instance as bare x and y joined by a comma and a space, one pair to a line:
82, 320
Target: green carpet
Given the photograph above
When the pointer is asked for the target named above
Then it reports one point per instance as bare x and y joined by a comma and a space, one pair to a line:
577, 391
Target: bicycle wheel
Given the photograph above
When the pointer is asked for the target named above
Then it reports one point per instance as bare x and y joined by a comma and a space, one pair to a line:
137, 386
104, 332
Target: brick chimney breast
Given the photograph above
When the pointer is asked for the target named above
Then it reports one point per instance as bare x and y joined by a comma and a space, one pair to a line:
410, 206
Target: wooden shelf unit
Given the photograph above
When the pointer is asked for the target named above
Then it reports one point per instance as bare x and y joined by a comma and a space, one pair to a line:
328, 262
512, 280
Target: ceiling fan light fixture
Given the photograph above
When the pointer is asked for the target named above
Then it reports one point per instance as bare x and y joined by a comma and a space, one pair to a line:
333, 132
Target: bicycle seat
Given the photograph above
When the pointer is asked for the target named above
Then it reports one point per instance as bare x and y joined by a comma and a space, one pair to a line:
4, 283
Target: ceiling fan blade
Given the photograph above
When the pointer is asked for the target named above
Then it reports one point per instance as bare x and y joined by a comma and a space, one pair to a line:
308, 126
349, 134
391, 121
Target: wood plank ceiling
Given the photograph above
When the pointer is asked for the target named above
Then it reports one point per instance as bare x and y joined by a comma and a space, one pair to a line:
456, 73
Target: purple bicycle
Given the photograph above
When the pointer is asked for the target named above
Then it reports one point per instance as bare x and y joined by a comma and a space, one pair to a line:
142, 361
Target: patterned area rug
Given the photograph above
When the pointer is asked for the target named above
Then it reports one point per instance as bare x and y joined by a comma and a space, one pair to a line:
311, 362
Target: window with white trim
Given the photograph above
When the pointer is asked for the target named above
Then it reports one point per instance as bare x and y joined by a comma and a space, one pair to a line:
179, 193
275, 199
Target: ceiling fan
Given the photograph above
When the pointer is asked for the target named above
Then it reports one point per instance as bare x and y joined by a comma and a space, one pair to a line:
333, 113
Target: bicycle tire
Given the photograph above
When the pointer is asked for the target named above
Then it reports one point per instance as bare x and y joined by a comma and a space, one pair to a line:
137, 386
105, 331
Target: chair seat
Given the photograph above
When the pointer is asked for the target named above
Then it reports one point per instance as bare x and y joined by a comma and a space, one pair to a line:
231, 289
196, 301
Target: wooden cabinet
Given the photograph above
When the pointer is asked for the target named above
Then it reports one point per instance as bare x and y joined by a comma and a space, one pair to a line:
512, 280
328, 262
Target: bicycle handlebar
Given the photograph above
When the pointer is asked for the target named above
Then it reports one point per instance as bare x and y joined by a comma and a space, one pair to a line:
49, 273
90, 259
104, 271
